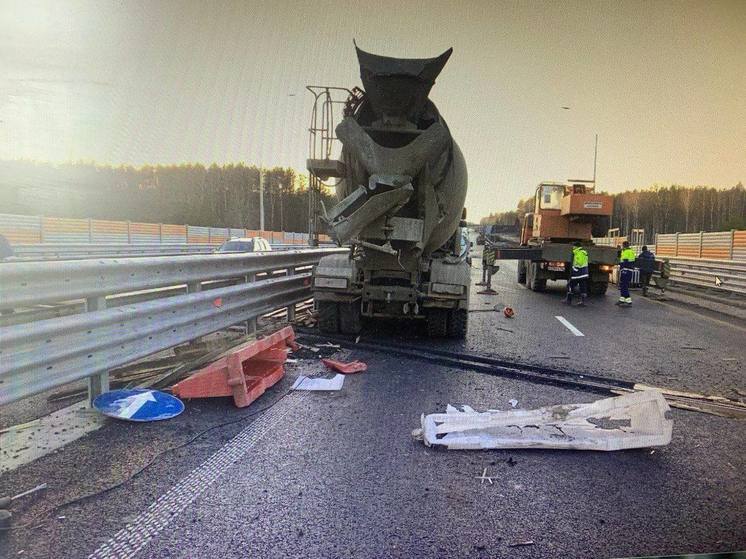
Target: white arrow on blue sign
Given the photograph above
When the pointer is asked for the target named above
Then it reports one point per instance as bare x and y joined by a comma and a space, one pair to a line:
138, 404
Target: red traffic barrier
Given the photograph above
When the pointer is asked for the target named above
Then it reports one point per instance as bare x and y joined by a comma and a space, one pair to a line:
346, 368
245, 373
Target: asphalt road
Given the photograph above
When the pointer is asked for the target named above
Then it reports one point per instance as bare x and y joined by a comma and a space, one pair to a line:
338, 474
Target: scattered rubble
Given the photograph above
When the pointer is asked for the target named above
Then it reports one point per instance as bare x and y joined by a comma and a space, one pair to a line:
634, 420
346, 368
319, 384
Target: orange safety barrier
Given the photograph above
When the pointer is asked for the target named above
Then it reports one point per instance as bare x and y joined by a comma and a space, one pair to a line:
245, 373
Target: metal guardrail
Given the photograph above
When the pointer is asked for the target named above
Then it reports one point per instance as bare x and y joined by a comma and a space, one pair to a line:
64, 251
37, 356
706, 273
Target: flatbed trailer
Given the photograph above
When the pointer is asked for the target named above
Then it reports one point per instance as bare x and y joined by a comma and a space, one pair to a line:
543, 261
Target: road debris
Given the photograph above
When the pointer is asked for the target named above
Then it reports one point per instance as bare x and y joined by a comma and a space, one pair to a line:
245, 373
692, 347
520, 544
319, 384
635, 420
6, 517
346, 368
484, 477
692, 401
508, 312
513, 402
6, 501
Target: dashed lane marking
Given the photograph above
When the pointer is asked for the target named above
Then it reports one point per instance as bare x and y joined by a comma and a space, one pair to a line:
569, 326
131, 539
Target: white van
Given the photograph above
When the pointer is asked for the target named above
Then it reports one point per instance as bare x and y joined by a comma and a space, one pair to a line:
245, 244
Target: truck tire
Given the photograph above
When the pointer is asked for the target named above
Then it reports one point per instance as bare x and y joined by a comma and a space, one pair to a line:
350, 318
458, 323
328, 317
522, 272
437, 323
598, 287
534, 283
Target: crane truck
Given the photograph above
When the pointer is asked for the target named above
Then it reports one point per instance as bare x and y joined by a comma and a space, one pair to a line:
400, 184
564, 212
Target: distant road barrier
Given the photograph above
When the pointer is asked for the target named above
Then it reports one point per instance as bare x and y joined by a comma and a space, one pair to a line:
33, 229
719, 245
40, 355
726, 276
62, 251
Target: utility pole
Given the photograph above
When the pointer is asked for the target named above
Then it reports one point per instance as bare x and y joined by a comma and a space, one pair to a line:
595, 156
261, 199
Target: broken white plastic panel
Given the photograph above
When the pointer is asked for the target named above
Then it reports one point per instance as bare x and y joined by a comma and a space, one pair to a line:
328, 384
635, 420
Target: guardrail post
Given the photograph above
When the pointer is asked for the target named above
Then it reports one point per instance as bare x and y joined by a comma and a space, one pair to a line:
676, 247
701, 240
251, 323
99, 383
129, 232
291, 308
90, 230
41, 228
732, 243
160, 233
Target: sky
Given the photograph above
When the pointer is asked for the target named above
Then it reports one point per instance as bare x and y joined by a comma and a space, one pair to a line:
663, 84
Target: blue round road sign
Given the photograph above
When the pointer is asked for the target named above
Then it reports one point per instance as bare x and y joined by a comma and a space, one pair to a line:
138, 404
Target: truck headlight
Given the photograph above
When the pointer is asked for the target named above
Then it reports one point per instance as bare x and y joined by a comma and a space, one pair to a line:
606, 268
332, 283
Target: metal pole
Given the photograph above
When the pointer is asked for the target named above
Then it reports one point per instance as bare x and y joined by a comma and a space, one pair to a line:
97, 384
291, 308
595, 156
261, 200
251, 323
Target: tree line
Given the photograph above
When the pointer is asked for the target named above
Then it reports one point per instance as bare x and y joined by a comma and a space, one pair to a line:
663, 209
194, 194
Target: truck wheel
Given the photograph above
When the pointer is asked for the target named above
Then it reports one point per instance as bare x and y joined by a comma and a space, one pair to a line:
458, 323
328, 317
598, 287
535, 283
522, 272
350, 318
437, 323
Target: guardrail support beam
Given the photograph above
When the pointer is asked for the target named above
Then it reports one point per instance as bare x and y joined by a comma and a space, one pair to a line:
291, 308
97, 384
251, 323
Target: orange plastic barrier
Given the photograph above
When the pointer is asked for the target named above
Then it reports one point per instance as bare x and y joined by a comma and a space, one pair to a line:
245, 373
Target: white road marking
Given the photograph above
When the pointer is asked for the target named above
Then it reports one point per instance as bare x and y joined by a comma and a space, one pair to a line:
569, 326
131, 539
135, 403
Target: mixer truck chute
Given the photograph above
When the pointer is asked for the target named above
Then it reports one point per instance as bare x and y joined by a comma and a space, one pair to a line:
401, 185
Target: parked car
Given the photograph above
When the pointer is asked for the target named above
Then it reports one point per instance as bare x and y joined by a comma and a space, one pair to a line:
245, 244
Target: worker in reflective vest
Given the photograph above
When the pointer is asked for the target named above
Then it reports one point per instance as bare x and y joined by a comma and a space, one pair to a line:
578, 275
626, 264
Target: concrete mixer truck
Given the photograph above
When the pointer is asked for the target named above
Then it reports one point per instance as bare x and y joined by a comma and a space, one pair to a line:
400, 182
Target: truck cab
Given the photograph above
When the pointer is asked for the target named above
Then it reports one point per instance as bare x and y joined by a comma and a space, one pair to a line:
564, 213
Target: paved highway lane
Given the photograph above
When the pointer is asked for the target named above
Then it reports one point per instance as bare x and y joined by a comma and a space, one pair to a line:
339, 475
651, 342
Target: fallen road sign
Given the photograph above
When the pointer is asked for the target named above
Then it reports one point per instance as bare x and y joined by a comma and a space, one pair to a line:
138, 404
